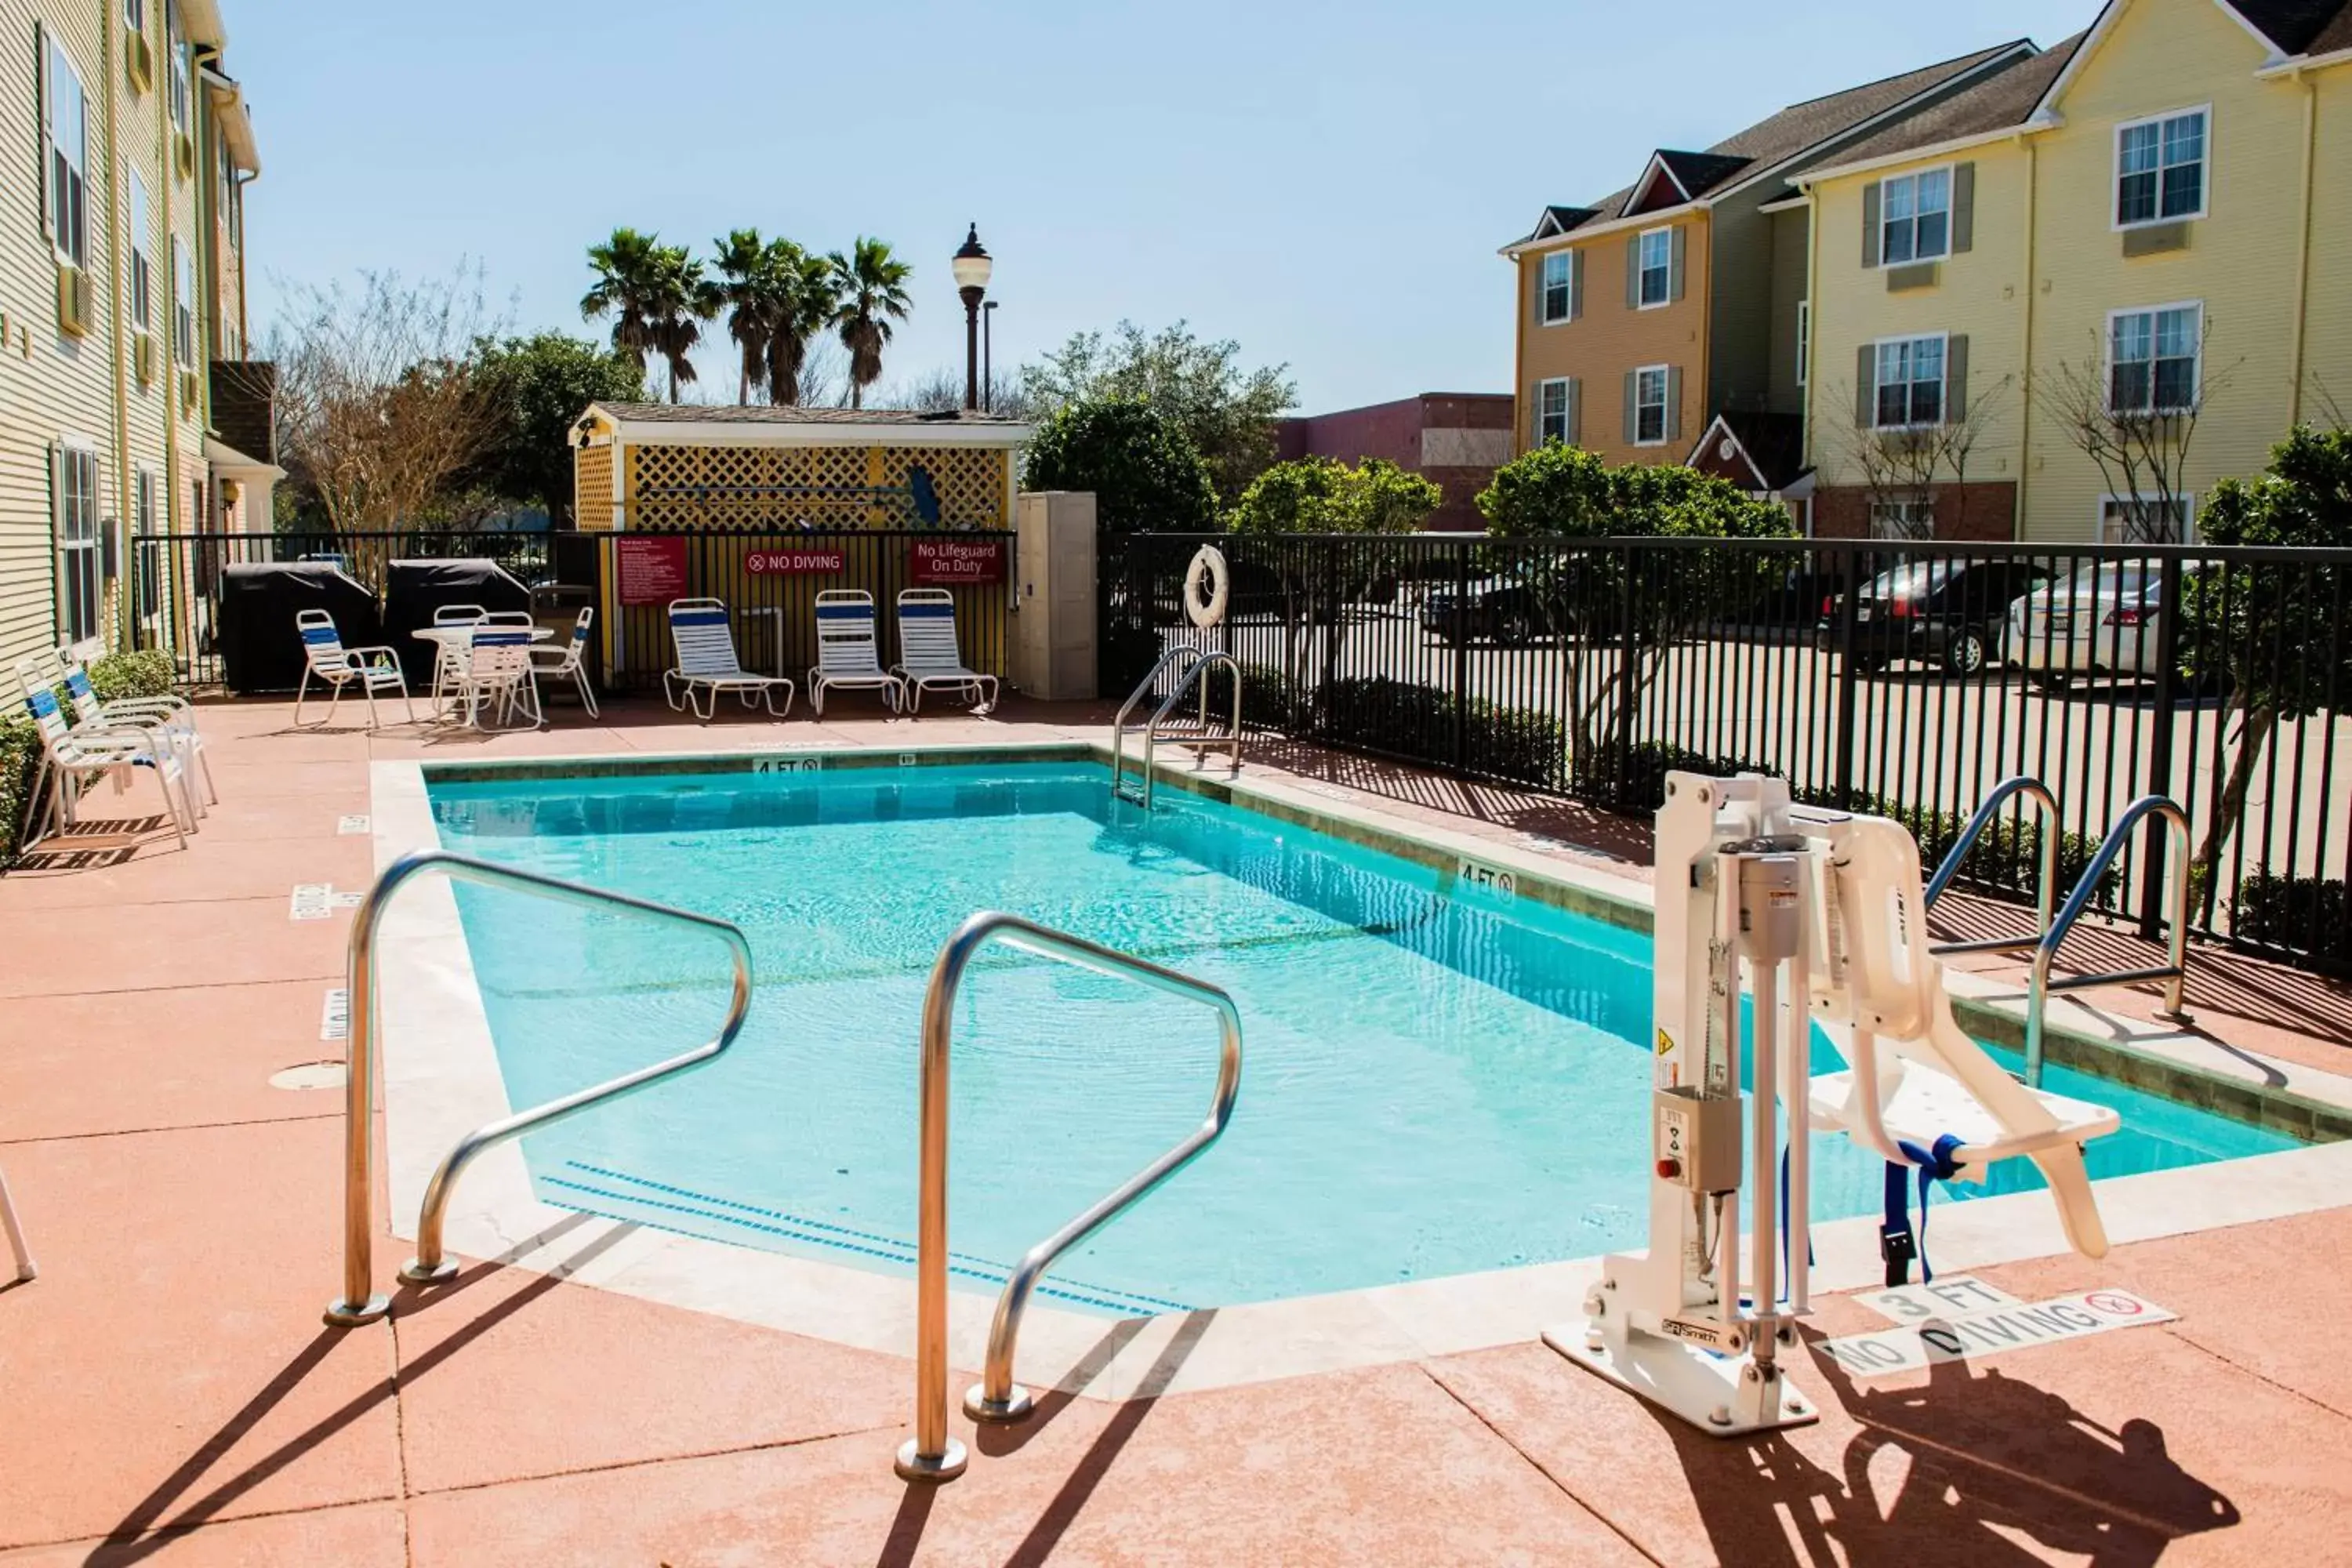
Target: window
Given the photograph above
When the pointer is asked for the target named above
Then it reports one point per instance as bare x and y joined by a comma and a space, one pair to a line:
1650, 406
2160, 169
1915, 220
1657, 267
1910, 382
2152, 359
74, 493
1551, 411
1558, 287
142, 268
184, 305
1912, 517
1804, 337
177, 46
64, 126
134, 15
151, 562
2147, 520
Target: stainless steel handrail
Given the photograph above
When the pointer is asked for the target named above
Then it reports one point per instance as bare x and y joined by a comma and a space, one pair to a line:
360, 1303
2045, 896
1193, 677
1143, 689
932, 1454
2175, 974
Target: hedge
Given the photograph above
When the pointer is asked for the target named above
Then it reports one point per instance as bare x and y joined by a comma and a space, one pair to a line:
1403, 718
2308, 914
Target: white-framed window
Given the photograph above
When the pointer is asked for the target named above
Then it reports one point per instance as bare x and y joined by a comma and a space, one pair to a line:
2147, 520
1910, 382
143, 265
176, 46
1558, 303
2153, 358
1656, 261
1804, 339
73, 495
64, 131
184, 305
134, 15
1915, 217
2160, 168
1907, 516
1650, 406
1551, 411
145, 487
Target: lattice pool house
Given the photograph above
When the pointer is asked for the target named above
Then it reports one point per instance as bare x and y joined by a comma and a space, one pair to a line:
658, 466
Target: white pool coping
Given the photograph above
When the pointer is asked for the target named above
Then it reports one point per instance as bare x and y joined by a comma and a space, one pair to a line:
442, 1079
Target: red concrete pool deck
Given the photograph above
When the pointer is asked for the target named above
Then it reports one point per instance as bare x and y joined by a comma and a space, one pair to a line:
167, 1391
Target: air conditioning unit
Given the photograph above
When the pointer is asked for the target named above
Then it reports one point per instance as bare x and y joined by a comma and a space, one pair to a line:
184, 148
73, 300
142, 357
139, 62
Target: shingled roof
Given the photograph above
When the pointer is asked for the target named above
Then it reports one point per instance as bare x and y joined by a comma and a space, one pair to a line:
2297, 27
1780, 137
1996, 103
764, 414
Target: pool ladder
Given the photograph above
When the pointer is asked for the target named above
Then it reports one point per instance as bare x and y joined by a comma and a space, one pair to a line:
2050, 929
931, 1454
360, 1302
1201, 662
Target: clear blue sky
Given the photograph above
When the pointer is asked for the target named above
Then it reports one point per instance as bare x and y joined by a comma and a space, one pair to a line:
1325, 183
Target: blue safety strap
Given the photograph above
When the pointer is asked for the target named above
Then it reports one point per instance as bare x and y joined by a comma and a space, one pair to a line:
1897, 1242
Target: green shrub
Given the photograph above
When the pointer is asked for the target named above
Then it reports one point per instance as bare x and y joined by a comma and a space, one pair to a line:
1144, 471
1407, 720
2007, 857
141, 672
1643, 786
1267, 701
20, 758
2308, 914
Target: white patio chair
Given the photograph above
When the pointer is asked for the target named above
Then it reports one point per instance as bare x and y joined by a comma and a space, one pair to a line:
570, 661
927, 655
707, 661
847, 654
172, 717
70, 757
372, 669
498, 674
25, 1268
448, 653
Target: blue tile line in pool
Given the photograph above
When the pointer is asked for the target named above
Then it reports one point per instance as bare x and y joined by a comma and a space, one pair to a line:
890, 1249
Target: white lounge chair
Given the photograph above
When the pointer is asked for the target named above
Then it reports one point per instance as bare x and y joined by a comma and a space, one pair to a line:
497, 673
26, 1270
372, 669
570, 661
847, 653
173, 717
70, 757
707, 661
927, 655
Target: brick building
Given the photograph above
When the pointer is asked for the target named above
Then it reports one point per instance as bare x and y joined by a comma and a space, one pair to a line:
1455, 439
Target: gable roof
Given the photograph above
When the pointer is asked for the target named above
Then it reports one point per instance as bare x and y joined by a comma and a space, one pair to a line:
2003, 99
1778, 138
1771, 448
2292, 26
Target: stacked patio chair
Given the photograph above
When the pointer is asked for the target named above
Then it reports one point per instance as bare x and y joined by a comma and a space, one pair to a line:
847, 654
497, 674
372, 669
927, 653
71, 757
706, 663
448, 655
173, 718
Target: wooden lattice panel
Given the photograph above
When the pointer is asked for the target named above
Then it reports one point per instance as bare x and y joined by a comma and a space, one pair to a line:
591, 487
815, 487
970, 480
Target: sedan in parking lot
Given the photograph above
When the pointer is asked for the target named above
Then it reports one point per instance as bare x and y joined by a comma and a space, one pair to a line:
1948, 612
2105, 619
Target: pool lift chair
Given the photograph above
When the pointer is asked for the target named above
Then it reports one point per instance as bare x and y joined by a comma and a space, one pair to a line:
1817, 916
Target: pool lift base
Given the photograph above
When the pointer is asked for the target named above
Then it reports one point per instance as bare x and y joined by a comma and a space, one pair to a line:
1725, 1394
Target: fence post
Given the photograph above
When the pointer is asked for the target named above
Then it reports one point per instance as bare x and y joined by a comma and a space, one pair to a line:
2160, 754
1847, 684
1462, 655
1628, 650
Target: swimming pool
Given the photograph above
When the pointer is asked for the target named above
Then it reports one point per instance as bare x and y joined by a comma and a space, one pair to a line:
1439, 1077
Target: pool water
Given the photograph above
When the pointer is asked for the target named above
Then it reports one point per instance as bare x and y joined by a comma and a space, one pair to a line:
1436, 1079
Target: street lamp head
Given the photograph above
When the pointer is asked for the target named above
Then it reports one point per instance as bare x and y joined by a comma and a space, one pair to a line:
972, 264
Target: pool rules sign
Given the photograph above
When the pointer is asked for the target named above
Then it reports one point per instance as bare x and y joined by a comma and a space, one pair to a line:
1956, 1317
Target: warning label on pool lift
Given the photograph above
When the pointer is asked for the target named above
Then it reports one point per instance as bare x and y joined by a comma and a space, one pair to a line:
1956, 1317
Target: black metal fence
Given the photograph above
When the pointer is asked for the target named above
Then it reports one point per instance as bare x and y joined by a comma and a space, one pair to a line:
1904, 678
768, 577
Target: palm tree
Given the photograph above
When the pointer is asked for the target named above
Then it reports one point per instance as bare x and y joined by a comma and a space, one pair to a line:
682, 300
870, 288
748, 287
628, 274
805, 303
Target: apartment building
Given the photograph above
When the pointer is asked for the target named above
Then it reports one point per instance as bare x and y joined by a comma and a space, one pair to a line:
124, 332
2144, 234
1645, 315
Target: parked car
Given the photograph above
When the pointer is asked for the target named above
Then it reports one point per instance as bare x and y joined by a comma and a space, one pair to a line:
1950, 612
1497, 609
2105, 619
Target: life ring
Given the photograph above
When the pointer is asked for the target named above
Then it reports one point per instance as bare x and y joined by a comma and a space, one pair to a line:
1205, 583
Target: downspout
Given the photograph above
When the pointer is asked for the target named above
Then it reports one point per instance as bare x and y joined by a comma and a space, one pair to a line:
1812, 334
2025, 359
1520, 308
175, 507
125, 569
2303, 250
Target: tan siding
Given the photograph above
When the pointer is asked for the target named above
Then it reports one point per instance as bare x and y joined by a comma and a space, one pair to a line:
2328, 346
1599, 347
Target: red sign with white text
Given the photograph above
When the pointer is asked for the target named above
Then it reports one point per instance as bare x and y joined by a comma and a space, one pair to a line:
792, 563
651, 568
950, 562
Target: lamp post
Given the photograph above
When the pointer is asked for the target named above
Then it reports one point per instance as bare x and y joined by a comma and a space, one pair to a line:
988, 358
971, 270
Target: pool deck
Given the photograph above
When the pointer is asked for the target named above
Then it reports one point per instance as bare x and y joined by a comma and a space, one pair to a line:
167, 1391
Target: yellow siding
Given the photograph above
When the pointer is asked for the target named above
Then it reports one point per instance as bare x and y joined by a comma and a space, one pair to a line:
1609, 339
2159, 56
2328, 343
1979, 293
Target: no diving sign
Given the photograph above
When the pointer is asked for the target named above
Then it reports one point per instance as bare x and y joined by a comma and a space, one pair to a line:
2004, 1325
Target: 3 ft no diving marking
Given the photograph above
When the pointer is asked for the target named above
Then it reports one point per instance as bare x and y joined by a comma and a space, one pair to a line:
2016, 1326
